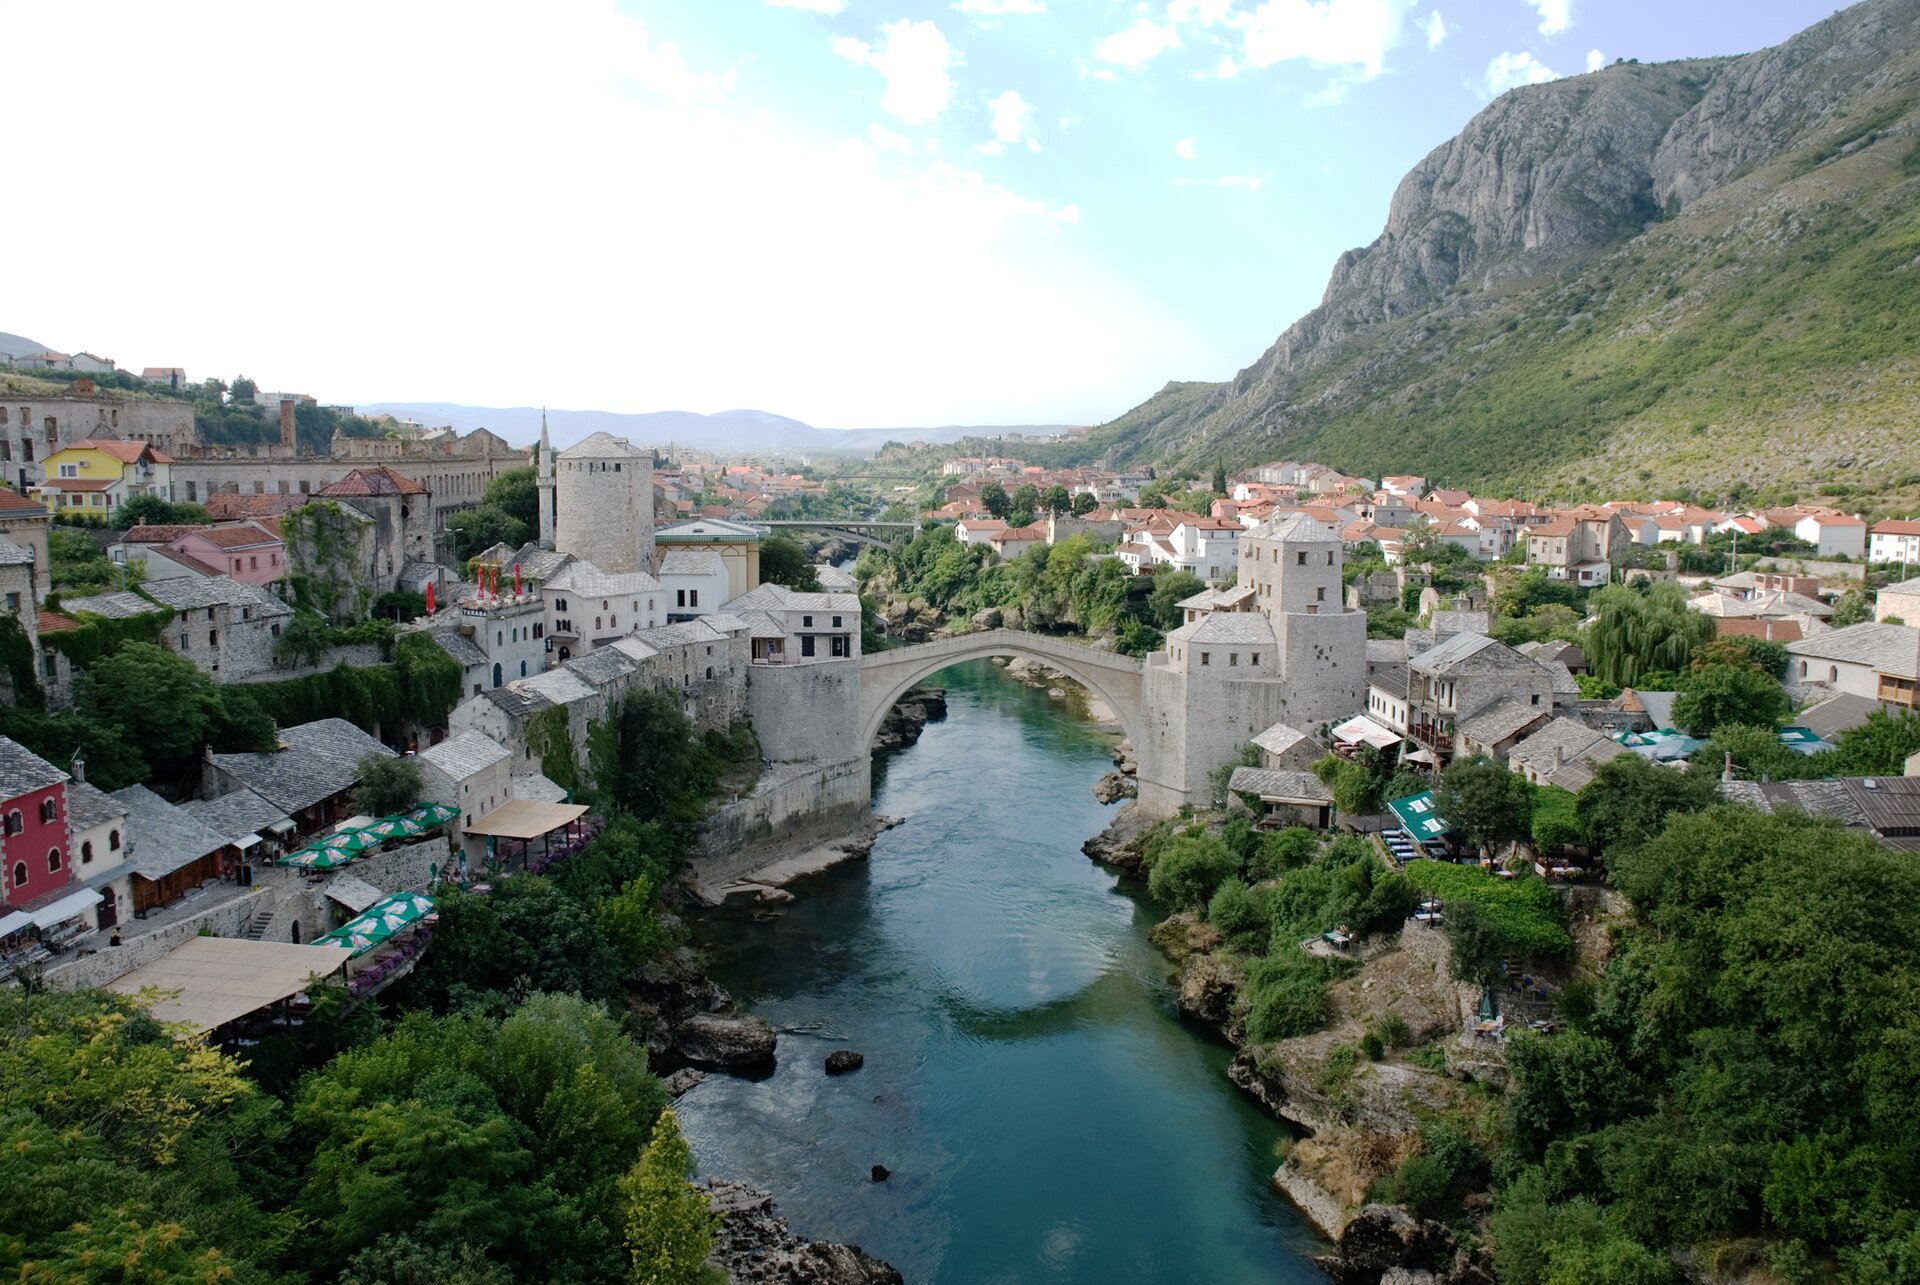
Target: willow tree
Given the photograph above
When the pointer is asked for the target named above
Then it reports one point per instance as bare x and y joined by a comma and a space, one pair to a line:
1635, 632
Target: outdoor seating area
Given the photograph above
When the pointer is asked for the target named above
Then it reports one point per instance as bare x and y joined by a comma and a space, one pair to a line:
37, 935
229, 986
513, 829
352, 841
384, 940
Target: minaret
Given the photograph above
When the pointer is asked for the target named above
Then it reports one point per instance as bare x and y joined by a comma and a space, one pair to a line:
546, 484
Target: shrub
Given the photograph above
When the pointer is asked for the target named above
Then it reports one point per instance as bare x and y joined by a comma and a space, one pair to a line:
1288, 996
1526, 912
1395, 1031
1187, 873
1237, 912
1278, 853
1373, 1046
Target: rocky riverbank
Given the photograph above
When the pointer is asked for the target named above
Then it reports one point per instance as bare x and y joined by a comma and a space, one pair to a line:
755, 1244
1359, 1117
909, 717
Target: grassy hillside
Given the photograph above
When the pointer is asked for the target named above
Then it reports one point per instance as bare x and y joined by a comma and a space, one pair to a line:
1765, 339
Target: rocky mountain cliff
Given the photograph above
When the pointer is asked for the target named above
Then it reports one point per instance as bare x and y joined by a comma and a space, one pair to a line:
1697, 273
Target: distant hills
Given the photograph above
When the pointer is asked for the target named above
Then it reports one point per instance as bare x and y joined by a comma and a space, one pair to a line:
1700, 274
734, 430
14, 345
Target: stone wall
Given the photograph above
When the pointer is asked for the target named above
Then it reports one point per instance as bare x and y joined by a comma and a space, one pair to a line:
307, 905
792, 802
359, 655
228, 919
807, 713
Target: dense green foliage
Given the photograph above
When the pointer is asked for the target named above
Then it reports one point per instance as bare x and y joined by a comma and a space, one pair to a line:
1060, 588
1483, 802
646, 761
784, 562
387, 785
669, 1226
1716, 695
1639, 628
419, 689
151, 510
81, 566
1745, 1066
1526, 911
1878, 747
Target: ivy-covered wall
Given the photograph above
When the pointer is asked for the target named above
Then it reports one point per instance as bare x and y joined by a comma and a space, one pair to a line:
324, 559
419, 689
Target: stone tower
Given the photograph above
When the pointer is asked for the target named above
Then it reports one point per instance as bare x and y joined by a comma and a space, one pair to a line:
1293, 655
545, 482
603, 504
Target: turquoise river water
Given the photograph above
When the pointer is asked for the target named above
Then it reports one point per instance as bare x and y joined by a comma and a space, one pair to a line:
1046, 1115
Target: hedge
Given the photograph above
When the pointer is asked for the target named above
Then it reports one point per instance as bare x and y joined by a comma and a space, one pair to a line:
421, 686
1526, 910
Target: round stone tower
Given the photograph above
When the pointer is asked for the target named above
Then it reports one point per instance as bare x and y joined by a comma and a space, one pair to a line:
603, 510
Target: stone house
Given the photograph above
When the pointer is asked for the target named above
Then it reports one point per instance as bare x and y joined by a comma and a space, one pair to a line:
1288, 749
25, 522
1872, 659
1581, 545
791, 628
693, 581
1471, 694
470, 771
309, 776
169, 853
33, 428
1563, 753
398, 528
98, 838
1899, 602
226, 628
586, 607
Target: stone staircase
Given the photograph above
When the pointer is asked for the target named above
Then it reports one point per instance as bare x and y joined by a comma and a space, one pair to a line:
257, 926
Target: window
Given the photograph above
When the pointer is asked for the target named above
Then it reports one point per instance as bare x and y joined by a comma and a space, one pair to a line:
1233, 659
184, 644
523, 669
497, 675
53, 861
26, 453
1536, 698
49, 811
1301, 558
1206, 658
806, 622
836, 622
213, 637
1321, 594
1803, 669
86, 852
113, 841
806, 645
1833, 673
709, 671
1256, 659
69, 470
19, 874
1329, 557
681, 599
693, 597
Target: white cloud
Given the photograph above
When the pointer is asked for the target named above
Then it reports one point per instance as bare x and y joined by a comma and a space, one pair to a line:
914, 58
885, 140
1436, 29
994, 8
1249, 183
1138, 45
1595, 60
1350, 34
1012, 118
811, 6
1555, 15
1507, 71
1184, 149
638, 186
1227, 69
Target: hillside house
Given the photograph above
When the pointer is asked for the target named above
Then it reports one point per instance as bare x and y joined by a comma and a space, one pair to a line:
1580, 545
226, 628
1894, 541
24, 522
309, 776
1472, 695
1873, 659
95, 477
1899, 603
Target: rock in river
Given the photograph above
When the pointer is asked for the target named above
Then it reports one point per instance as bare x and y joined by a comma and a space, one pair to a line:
730, 1043
755, 1244
683, 1080
841, 1061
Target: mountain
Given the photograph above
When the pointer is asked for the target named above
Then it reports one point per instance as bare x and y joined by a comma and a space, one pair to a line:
14, 345
1700, 274
728, 431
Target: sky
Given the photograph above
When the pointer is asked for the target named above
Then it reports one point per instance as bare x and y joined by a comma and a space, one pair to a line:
859, 213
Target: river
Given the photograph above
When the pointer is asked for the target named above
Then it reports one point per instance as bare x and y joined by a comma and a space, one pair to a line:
1045, 1113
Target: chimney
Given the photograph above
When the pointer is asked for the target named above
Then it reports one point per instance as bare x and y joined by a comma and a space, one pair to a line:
79, 770
1559, 756
287, 438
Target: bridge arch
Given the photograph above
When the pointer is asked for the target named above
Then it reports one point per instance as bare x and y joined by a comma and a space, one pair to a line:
886, 676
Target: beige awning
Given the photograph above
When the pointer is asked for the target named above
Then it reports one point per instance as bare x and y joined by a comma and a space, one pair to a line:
219, 979
523, 819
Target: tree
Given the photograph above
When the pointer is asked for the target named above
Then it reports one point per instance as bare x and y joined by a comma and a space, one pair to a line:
1484, 803
1852, 607
387, 785
151, 510
1634, 632
1220, 478
1056, 500
784, 562
1750, 653
627, 921
645, 760
1084, 503
1728, 694
1170, 589
993, 498
1026, 498
1629, 800
475, 530
242, 389
669, 1225
161, 703
1190, 869
516, 493
303, 641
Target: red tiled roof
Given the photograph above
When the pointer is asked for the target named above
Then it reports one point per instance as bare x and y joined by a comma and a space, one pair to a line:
373, 481
234, 537
144, 534
14, 504
52, 624
125, 452
186, 560
1897, 526
79, 483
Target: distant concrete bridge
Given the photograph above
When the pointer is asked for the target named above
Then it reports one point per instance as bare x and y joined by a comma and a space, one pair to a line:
854, 529
885, 676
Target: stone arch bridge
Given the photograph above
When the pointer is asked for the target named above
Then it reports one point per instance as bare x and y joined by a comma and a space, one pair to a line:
885, 676
853, 530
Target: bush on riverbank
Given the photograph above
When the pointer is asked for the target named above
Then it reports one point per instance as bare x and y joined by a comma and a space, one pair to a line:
1524, 913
